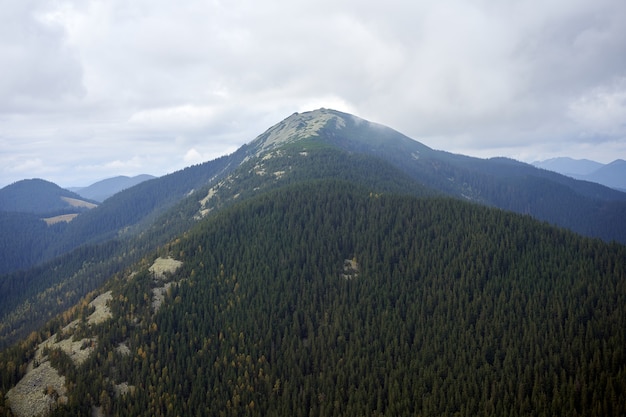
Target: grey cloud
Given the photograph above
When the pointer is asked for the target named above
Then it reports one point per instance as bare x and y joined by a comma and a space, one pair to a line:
526, 79
38, 69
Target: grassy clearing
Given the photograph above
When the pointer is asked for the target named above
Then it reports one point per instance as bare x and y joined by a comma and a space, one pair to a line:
78, 203
58, 219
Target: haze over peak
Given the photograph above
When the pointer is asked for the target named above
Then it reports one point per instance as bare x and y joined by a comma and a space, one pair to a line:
298, 126
336, 128
305, 125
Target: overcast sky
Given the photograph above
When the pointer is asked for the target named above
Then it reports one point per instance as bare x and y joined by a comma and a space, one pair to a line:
91, 89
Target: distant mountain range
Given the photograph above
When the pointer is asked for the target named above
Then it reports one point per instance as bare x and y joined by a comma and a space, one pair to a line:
104, 189
611, 175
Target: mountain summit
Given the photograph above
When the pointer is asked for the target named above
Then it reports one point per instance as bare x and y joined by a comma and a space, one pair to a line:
332, 127
295, 128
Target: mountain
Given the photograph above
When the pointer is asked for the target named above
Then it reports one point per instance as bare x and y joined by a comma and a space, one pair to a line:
322, 144
101, 190
41, 197
325, 297
611, 175
568, 166
584, 207
581, 206
331, 266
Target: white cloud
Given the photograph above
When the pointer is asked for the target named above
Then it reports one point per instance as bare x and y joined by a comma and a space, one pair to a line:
602, 110
178, 117
27, 167
193, 157
38, 69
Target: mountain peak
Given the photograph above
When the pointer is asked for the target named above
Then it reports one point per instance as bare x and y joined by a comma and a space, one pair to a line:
336, 128
296, 127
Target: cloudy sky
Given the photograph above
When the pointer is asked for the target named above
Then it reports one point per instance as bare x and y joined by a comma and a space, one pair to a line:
90, 89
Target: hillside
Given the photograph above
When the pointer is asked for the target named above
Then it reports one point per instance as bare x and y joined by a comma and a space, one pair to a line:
33, 215
330, 298
587, 208
29, 298
127, 212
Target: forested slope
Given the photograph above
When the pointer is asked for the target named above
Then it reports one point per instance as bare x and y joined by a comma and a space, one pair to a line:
29, 298
127, 212
584, 207
330, 299
24, 238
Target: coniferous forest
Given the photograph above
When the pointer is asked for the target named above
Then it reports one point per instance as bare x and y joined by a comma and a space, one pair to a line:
328, 299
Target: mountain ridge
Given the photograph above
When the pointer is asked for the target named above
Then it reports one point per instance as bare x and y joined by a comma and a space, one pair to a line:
103, 189
611, 175
498, 182
569, 166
